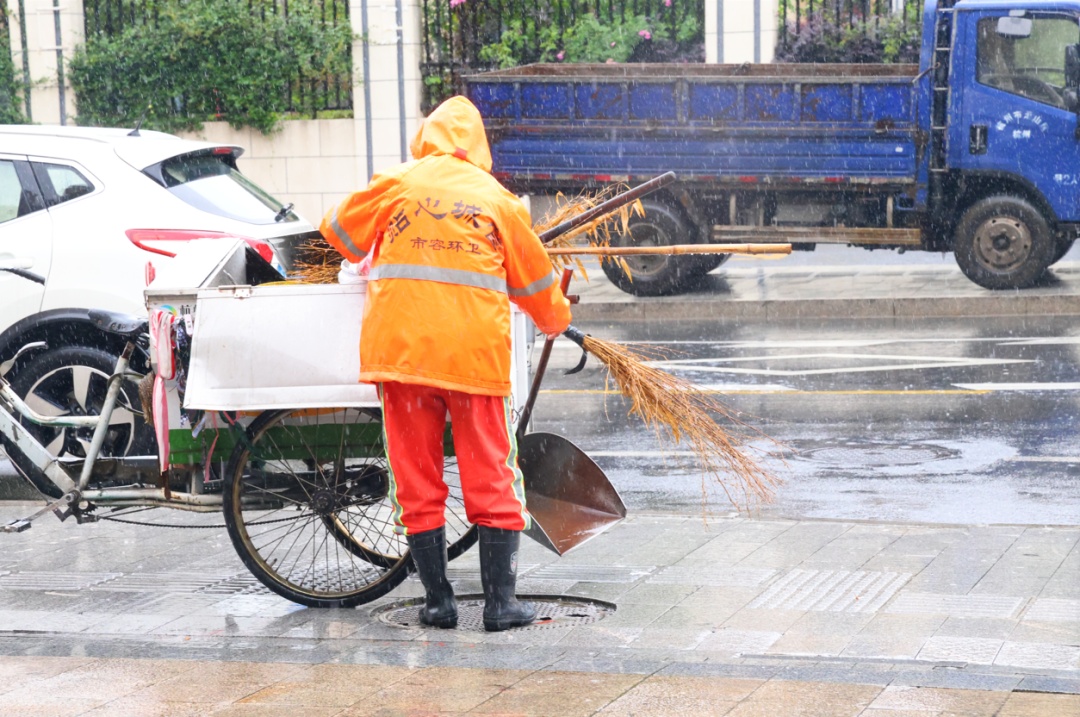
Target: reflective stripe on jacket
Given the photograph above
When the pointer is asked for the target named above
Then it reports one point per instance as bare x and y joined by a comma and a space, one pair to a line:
452, 248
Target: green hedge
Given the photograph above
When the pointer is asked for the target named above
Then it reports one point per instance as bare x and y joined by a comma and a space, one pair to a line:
207, 60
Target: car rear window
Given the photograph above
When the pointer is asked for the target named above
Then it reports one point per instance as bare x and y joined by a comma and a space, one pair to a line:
210, 183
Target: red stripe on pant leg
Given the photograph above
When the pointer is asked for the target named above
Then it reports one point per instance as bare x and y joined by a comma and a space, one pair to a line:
487, 461
414, 420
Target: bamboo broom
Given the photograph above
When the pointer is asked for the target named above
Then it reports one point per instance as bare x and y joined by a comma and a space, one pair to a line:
672, 406
669, 404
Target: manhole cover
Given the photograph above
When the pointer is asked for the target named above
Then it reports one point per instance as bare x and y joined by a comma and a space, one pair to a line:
877, 454
551, 612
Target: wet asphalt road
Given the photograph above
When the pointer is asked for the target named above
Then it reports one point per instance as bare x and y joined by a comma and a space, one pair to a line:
963, 421
966, 421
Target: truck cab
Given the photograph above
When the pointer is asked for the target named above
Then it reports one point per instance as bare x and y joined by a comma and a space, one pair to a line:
1009, 167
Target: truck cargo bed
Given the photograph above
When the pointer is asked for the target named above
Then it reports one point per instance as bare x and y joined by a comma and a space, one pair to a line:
742, 124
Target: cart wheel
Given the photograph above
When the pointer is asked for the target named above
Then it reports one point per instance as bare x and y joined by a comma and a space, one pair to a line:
307, 507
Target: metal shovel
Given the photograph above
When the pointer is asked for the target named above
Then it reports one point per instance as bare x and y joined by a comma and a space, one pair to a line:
569, 497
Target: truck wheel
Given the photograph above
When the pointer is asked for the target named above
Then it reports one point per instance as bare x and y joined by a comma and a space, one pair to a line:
1003, 243
1061, 249
653, 275
708, 262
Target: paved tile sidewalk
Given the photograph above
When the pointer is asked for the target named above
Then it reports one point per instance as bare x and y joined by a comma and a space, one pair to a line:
61, 686
885, 608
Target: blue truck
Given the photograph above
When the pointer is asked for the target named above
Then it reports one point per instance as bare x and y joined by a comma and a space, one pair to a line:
976, 150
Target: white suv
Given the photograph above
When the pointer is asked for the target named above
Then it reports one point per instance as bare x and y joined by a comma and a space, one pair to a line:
87, 216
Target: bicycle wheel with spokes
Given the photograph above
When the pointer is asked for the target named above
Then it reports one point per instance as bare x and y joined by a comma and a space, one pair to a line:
308, 510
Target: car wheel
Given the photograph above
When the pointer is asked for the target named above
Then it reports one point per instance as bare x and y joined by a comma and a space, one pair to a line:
71, 381
651, 274
1003, 242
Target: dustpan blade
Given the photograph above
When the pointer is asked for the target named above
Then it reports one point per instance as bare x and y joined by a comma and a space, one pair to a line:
536, 532
569, 497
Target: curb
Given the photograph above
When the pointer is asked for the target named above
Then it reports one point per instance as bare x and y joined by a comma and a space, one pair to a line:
832, 292
1014, 304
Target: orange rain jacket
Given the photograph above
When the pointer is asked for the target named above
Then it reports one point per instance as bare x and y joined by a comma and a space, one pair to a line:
452, 248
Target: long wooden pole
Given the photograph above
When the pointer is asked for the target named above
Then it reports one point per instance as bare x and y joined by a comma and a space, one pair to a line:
673, 249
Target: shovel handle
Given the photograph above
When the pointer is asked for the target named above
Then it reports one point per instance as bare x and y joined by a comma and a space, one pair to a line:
541, 367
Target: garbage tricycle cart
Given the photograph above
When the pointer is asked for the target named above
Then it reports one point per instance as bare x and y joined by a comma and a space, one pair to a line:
259, 415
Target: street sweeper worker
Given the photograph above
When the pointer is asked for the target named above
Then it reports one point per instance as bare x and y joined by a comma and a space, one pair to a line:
450, 249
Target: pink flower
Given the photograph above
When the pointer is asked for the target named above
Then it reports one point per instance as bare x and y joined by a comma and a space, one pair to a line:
613, 43
455, 3
645, 33
667, 3
560, 56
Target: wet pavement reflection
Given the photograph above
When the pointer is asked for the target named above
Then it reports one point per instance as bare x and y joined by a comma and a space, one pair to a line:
947, 421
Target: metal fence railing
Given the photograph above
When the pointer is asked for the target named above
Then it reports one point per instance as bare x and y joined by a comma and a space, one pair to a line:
853, 30
460, 36
110, 17
847, 13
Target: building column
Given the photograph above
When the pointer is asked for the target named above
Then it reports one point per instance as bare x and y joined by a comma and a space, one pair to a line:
387, 90
738, 31
45, 21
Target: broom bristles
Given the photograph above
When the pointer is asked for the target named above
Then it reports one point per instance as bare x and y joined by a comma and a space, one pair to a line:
668, 403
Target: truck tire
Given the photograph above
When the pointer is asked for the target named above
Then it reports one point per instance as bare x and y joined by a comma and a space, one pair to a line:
652, 275
1062, 248
1004, 242
708, 262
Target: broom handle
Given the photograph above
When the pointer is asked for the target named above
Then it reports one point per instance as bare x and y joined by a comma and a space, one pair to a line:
673, 249
541, 367
610, 205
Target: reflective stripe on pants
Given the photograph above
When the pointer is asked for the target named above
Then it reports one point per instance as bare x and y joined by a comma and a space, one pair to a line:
414, 421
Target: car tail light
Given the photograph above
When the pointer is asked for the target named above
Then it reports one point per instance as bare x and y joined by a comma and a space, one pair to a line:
140, 237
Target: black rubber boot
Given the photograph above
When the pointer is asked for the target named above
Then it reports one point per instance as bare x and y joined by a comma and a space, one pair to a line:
498, 573
428, 551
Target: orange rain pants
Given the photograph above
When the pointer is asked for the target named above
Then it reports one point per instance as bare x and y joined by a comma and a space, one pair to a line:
414, 421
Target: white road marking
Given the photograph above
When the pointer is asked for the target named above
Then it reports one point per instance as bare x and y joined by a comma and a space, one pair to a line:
1043, 459
742, 387
1019, 386
1047, 341
641, 454
857, 343
916, 362
690, 454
